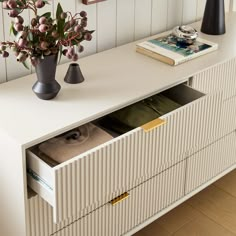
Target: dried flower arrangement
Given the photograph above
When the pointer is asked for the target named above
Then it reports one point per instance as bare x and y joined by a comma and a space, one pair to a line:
44, 35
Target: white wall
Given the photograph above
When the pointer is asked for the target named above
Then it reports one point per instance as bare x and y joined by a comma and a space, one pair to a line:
116, 22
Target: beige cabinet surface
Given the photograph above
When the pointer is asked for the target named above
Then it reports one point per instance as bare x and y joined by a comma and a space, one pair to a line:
103, 173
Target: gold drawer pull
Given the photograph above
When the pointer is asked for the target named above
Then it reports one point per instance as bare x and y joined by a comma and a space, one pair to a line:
119, 199
153, 124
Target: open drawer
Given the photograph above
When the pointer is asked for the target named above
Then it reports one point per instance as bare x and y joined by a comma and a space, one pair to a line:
95, 177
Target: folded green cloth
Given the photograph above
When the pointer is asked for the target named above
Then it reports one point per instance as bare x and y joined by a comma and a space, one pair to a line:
162, 104
139, 113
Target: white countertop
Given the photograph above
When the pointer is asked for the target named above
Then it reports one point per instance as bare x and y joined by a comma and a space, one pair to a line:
113, 79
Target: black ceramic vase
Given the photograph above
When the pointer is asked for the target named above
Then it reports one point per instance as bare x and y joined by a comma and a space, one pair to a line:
74, 74
213, 22
46, 86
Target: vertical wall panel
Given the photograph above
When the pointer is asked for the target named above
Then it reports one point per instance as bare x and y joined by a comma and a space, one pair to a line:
200, 8
189, 11
143, 16
2, 60
175, 12
117, 22
227, 5
159, 16
106, 25
125, 21
14, 69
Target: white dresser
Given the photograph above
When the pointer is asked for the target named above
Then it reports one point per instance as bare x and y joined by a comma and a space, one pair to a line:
147, 172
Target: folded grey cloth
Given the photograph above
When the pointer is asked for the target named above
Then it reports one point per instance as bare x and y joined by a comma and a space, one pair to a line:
75, 142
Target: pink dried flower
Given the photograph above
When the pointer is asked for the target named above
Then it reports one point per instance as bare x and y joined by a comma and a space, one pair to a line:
22, 42
43, 28
17, 53
71, 51
11, 4
34, 22
44, 35
83, 23
77, 28
18, 27
88, 36
19, 19
64, 52
69, 56
2, 47
75, 57
4, 5
5, 54
42, 20
81, 48
72, 22
83, 13
39, 4
44, 45
22, 57
23, 34
13, 13
55, 34
63, 15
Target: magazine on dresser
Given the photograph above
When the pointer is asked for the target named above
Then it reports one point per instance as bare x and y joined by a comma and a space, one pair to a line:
169, 50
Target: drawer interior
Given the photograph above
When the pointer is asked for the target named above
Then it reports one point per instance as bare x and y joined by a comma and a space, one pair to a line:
181, 94
51, 180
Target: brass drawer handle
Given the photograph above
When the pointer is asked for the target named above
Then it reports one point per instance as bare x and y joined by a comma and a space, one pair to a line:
153, 124
119, 199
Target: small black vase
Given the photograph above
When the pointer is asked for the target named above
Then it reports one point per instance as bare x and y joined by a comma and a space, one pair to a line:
74, 74
213, 22
46, 86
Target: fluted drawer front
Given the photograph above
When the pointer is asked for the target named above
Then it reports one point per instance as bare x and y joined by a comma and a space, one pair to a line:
218, 78
229, 116
96, 177
210, 161
144, 201
40, 215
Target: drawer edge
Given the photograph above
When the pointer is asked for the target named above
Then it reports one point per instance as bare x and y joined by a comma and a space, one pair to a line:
41, 189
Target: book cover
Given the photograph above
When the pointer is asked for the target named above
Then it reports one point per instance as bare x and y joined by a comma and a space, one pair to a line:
167, 49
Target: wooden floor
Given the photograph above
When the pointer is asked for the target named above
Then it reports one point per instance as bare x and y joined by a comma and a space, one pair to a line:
212, 212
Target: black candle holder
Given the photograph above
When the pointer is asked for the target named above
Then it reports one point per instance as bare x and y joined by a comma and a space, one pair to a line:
74, 74
213, 22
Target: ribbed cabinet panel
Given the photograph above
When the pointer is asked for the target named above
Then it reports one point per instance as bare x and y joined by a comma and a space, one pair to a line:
210, 161
104, 173
40, 215
229, 116
218, 78
145, 200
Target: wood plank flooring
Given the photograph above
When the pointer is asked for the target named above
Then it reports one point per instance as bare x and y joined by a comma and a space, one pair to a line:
212, 212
